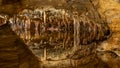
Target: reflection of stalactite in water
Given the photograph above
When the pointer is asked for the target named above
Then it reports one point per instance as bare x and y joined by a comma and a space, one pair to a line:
59, 20
57, 29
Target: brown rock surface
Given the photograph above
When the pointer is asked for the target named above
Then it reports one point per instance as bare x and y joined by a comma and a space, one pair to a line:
110, 10
13, 52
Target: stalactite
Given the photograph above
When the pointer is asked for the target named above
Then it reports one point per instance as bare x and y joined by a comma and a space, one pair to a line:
76, 33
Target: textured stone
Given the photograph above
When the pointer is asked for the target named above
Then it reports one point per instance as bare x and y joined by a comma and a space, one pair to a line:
14, 54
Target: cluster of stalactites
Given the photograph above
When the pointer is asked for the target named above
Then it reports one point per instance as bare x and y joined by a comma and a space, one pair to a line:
31, 23
49, 19
91, 31
40, 20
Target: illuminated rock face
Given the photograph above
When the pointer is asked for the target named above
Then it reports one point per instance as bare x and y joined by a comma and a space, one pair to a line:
109, 9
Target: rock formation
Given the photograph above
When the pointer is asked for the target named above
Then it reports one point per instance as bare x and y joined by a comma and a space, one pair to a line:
13, 52
100, 14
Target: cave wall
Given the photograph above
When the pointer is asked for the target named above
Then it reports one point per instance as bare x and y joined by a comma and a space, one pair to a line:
110, 10
13, 52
